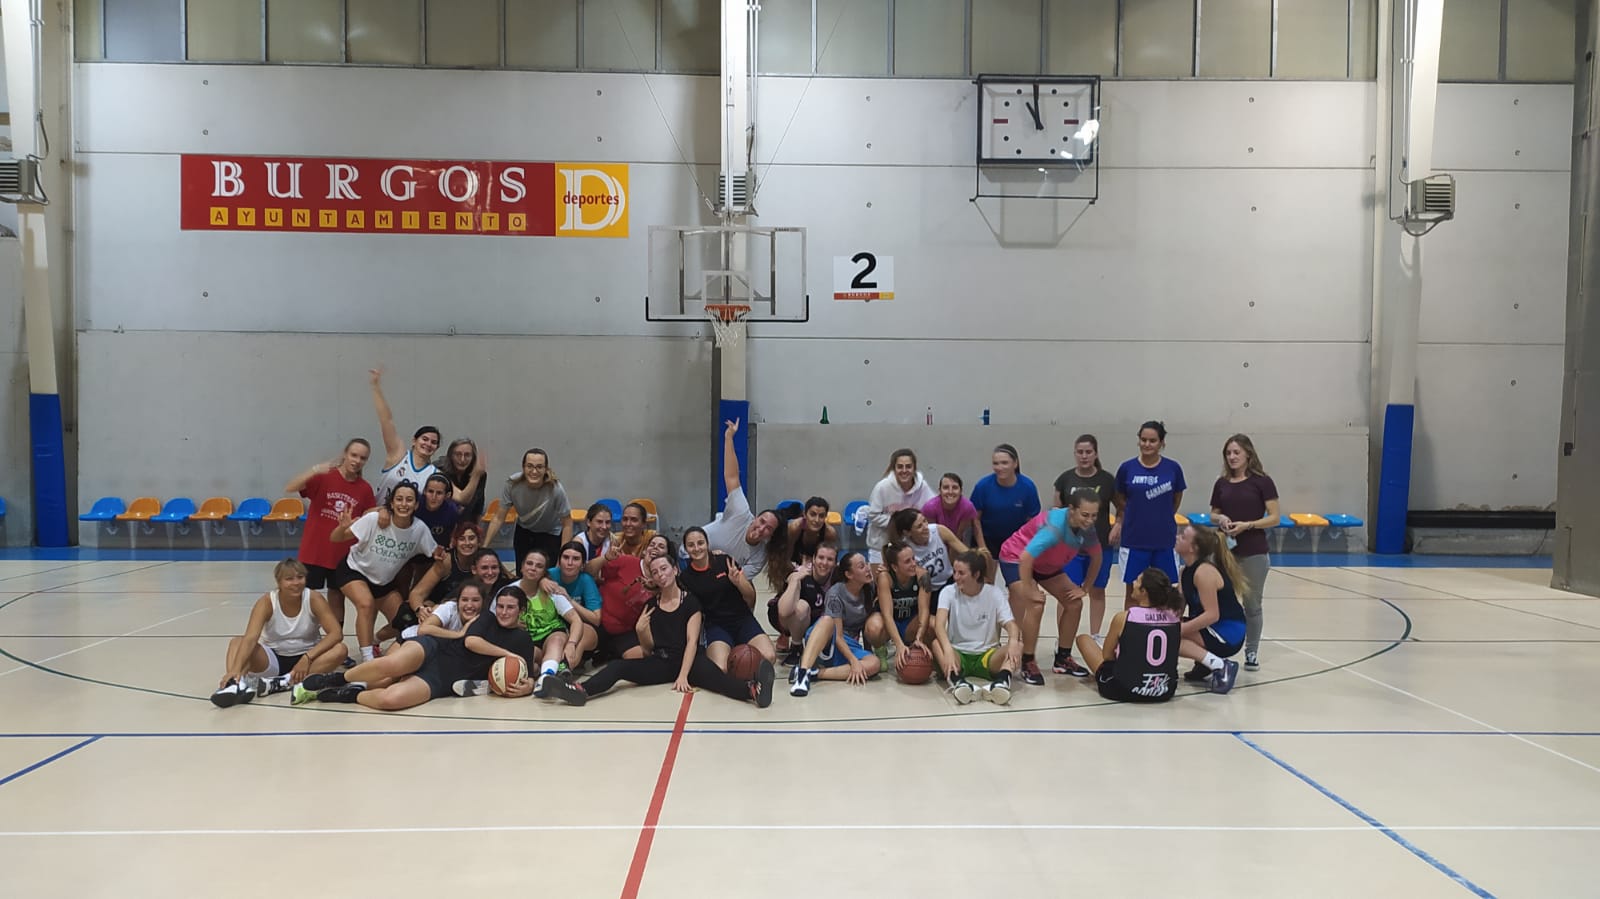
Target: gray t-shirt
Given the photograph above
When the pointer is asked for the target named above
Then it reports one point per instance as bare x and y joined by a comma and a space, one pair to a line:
726, 535
975, 621
542, 510
849, 611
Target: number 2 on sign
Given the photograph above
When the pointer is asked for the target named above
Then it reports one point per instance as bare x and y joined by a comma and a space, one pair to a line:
863, 276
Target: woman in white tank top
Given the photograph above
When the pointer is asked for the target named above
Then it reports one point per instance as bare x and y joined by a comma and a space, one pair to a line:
932, 549
291, 633
412, 463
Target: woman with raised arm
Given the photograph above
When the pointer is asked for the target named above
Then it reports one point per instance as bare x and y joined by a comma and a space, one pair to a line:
1244, 504
544, 515
742, 535
369, 571
332, 488
413, 463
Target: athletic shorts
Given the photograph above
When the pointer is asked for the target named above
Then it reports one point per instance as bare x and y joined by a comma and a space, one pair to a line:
904, 624
1079, 566
976, 664
733, 633
831, 657
538, 639
438, 687
1224, 638
317, 577
1011, 573
277, 663
344, 574
1135, 561
614, 645
1105, 680
772, 616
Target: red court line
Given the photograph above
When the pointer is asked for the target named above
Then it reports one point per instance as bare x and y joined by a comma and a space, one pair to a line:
647, 834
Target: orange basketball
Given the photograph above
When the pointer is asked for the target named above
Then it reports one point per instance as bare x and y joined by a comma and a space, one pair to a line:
744, 662
505, 673
918, 667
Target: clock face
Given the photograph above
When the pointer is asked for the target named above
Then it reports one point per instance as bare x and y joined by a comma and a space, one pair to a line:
1042, 123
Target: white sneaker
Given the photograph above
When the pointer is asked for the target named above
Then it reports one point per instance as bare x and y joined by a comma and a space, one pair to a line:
802, 683
962, 691
469, 687
998, 692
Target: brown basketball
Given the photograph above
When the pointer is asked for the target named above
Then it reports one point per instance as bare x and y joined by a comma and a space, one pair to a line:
744, 661
918, 667
505, 673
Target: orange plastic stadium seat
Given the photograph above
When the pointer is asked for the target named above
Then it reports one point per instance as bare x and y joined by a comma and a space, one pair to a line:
649, 509
217, 508
1308, 520
141, 509
290, 508
492, 511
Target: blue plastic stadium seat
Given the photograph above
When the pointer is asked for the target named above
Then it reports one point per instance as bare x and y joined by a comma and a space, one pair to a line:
1200, 519
1343, 521
177, 509
253, 509
799, 506
850, 512
1285, 521
2, 507
615, 505
106, 508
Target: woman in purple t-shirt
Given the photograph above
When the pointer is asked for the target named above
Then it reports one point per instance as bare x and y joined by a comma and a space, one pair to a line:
1244, 503
954, 511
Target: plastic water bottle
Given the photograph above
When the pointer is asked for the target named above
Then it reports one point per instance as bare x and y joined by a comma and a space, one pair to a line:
986, 418
930, 415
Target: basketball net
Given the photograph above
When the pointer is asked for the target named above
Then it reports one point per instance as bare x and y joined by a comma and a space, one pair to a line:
727, 320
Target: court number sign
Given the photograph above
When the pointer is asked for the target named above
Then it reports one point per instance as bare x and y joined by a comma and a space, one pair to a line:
863, 276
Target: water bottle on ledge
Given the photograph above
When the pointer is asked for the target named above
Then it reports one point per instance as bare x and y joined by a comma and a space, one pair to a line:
930, 415
986, 418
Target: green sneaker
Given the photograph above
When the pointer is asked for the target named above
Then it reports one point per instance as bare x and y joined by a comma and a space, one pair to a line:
300, 695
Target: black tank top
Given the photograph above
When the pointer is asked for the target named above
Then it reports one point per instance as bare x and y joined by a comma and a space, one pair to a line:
803, 550
1228, 607
1147, 653
453, 578
903, 597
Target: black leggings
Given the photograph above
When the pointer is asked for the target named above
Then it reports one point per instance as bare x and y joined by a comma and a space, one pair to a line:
663, 670
524, 541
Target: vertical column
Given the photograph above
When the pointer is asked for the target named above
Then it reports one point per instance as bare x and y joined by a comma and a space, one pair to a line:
44, 405
1576, 564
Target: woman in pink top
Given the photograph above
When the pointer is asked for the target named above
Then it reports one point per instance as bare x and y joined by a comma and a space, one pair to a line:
955, 511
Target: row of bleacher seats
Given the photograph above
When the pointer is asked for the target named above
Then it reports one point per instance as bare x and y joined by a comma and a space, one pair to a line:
254, 511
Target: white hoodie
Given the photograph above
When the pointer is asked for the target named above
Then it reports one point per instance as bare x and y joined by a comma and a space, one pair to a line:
886, 499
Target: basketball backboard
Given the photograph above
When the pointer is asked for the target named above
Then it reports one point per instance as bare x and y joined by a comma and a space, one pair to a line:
693, 265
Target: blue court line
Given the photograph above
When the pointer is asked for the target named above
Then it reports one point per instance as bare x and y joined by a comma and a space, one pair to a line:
42, 762
1404, 843
777, 731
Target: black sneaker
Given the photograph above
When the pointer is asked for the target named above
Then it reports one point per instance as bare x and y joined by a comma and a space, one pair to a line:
792, 660
1070, 667
316, 683
1031, 673
762, 685
1063, 657
565, 690
231, 694
1252, 662
1222, 679
346, 693
1199, 674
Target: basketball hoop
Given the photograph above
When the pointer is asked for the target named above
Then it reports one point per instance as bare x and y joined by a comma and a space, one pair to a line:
726, 320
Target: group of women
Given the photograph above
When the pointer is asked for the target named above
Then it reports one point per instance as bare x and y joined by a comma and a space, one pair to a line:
621, 594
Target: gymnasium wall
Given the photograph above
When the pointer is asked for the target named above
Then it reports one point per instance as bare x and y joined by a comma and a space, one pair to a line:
16, 482
1222, 282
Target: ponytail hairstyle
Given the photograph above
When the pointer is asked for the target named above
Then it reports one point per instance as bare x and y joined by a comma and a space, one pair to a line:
891, 555
840, 571
901, 523
1090, 439
977, 563
1162, 594
1011, 451
1210, 547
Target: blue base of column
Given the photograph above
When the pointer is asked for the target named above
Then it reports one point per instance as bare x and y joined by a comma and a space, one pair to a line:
49, 471
731, 410
1394, 480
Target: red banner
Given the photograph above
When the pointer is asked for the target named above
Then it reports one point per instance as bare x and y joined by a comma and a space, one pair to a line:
391, 196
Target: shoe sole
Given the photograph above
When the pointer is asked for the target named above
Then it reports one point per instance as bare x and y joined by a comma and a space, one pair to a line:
567, 692
765, 675
999, 695
225, 700
962, 693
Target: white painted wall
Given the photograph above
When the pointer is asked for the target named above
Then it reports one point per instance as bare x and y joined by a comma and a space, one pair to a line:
1215, 196
16, 483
